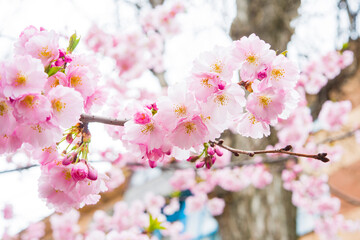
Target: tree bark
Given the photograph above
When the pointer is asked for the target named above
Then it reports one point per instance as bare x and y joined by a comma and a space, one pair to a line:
265, 214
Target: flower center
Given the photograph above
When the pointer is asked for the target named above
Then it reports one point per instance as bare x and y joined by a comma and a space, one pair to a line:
148, 128
75, 81
277, 73
190, 127
29, 101
55, 83
20, 80
205, 83
251, 59
37, 128
221, 99
264, 101
58, 105
180, 111
217, 67
252, 119
3, 108
44, 53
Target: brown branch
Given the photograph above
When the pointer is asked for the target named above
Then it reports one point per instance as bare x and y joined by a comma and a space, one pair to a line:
339, 137
84, 118
286, 150
345, 197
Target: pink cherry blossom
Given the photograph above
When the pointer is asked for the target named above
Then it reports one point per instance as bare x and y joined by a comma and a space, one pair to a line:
189, 133
32, 108
24, 75
266, 105
66, 104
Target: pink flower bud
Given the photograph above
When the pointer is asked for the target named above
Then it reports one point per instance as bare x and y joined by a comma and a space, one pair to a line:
79, 171
154, 106
218, 152
69, 138
62, 53
67, 160
141, 118
67, 59
192, 158
200, 164
152, 164
92, 174
59, 62
222, 85
213, 159
261, 75
211, 151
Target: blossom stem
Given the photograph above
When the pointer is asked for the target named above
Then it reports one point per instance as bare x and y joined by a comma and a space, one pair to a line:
286, 150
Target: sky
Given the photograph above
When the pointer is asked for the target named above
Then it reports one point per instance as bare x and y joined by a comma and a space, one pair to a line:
204, 26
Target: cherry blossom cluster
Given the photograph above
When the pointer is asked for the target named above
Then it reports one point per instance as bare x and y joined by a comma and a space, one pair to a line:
310, 191
318, 72
43, 89
198, 110
137, 51
137, 220
68, 180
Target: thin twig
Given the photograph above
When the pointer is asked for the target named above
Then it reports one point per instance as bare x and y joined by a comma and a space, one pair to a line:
286, 150
84, 118
19, 169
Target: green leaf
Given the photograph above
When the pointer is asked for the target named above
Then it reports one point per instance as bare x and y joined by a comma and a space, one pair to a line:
53, 70
284, 53
154, 225
175, 194
344, 47
73, 42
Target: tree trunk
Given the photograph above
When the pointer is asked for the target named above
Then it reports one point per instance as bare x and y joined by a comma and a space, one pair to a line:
266, 214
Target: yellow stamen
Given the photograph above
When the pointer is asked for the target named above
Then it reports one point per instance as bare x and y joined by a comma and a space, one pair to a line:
55, 83
67, 174
44, 53
3, 108
28, 101
75, 81
264, 101
205, 83
148, 128
217, 67
252, 119
190, 127
58, 105
37, 128
277, 73
20, 80
252, 59
180, 110
221, 100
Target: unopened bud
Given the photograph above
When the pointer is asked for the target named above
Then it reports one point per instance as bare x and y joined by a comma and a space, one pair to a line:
59, 62
92, 173
79, 171
200, 164
67, 160
192, 158
218, 152
211, 151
